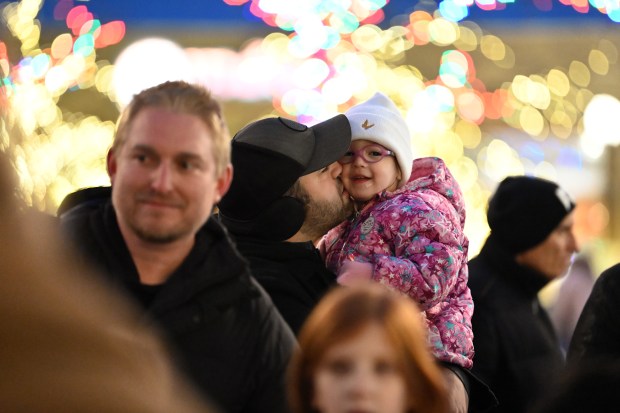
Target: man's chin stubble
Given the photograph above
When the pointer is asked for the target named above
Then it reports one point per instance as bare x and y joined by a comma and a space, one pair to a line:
156, 238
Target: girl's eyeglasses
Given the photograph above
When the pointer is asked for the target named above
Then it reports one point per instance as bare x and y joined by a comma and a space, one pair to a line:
370, 154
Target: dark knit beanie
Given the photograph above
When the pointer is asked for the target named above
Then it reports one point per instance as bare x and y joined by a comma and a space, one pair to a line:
525, 210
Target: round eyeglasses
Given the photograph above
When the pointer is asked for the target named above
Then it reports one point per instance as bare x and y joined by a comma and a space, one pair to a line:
370, 154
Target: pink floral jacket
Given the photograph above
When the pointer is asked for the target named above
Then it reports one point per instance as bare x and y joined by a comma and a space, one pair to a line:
414, 239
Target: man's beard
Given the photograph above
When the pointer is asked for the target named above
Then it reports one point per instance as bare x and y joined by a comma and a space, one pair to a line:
157, 237
321, 216
148, 226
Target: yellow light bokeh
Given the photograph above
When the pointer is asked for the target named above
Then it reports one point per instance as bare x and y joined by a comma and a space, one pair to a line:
448, 112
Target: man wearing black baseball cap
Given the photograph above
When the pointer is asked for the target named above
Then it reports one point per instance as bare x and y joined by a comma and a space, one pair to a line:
531, 243
286, 193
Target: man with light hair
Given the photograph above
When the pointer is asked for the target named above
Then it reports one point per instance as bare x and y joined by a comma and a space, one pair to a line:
153, 237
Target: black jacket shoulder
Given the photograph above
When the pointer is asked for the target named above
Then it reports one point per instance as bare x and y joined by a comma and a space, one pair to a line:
597, 334
223, 329
292, 273
516, 351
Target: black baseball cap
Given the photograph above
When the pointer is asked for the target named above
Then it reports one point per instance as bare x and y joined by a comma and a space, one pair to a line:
268, 156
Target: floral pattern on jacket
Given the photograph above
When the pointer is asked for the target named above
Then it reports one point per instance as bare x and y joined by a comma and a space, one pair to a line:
414, 238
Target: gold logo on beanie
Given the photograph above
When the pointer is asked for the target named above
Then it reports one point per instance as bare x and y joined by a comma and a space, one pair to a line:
367, 125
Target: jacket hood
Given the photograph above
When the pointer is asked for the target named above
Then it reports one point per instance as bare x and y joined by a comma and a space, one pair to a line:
432, 174
92, 207
87, 198
522, 278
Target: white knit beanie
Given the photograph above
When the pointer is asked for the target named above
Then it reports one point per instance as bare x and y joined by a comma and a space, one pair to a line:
379, 120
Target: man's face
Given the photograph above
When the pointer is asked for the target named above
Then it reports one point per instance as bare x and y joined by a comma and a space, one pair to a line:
552, 257
329, 203
163, 177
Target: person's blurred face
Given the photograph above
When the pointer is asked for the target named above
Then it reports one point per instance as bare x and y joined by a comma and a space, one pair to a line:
360, 375
553, 256
364, 179
328, 203
164, 183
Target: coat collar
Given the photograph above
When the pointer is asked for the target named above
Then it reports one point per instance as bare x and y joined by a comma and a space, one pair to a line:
522, 278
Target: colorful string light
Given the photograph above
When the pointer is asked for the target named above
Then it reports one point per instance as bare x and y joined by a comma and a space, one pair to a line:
327, 56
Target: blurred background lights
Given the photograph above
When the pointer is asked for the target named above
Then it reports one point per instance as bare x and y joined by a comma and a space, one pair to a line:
337, 91
492, 47
453, 70
558, 82
598, 62
579, 73
321, 58
600, 122
311, 34
442, 32
344, 22
149, 62
312, 73
279, 6
453, 10
499, 160
470, 107
62, 46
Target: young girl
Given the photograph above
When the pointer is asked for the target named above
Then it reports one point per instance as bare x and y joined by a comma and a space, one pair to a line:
364, 349
407, 232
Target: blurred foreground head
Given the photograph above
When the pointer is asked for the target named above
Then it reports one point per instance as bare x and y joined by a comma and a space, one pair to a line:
364, 348
68, 343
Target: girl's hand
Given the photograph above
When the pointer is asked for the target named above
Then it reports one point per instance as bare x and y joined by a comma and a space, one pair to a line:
353, 272
321, 247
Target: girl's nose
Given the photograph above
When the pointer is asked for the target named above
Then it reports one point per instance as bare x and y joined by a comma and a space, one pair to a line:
358, 160
361, 384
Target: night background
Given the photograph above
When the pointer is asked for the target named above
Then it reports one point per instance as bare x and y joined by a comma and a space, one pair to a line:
528, 87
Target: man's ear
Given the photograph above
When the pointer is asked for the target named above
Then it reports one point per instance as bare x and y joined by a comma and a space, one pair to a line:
111, 164
223, 182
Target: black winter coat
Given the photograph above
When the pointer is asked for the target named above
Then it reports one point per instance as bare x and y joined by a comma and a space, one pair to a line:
295, 276
516, 351
597, 334
292, 273
221, 325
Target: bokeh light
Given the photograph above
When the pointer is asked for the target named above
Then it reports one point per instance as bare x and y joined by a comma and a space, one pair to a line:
147, 63
324, 57
54, 152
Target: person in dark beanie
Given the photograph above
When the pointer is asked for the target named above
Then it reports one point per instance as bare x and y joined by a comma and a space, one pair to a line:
286, 194
531, 243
